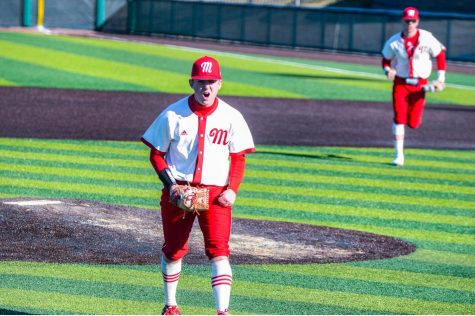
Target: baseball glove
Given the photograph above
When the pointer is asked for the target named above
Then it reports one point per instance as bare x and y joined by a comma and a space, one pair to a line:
193, 199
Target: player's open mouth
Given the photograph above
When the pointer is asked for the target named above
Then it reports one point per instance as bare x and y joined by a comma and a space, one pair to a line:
206, 94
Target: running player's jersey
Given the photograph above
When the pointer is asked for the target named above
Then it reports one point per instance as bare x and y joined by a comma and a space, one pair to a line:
419, 65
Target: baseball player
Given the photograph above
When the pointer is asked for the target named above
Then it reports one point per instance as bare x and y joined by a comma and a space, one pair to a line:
407, 62
200, 140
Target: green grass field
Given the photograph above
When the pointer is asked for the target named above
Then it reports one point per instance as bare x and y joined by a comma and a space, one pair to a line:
430, 202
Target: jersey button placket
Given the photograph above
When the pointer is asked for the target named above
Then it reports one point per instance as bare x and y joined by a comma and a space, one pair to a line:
201, 140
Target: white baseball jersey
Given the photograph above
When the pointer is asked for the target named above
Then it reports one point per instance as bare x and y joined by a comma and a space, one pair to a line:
198, 146
420, 65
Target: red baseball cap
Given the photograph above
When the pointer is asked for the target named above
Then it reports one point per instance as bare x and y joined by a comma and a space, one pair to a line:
410, 13
206, 68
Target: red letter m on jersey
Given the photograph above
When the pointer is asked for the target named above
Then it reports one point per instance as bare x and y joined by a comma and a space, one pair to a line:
219, 136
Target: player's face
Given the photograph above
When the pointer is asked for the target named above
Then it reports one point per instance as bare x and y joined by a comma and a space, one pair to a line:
205, 90
410, 26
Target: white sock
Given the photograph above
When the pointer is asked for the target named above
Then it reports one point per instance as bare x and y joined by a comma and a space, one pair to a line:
221, 281
171, 274
398, 133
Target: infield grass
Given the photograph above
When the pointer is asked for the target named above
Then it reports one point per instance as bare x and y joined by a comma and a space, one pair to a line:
38, 60
349, 188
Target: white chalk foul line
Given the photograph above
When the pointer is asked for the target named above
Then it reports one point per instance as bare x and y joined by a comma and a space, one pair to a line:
32, 203
301, 65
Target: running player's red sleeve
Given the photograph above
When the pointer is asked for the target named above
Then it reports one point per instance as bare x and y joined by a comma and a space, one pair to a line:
441, 63
385, 63
236, 172
157, 159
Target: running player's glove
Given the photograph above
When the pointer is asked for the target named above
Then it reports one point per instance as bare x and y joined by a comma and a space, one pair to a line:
193, 199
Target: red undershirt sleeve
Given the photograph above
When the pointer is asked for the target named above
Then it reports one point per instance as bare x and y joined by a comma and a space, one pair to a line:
441, 63
236, 172
157, 159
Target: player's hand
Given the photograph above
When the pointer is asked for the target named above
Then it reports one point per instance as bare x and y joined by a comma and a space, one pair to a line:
227, 198
391, 74
174, 193
439, 85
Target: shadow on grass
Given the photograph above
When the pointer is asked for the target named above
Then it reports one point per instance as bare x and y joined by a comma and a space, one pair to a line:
342, 77
11, 312
315, 156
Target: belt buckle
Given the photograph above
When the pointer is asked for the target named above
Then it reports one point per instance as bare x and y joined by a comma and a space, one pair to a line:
412, 81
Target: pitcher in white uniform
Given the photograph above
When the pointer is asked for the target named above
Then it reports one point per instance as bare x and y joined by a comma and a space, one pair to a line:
200, 140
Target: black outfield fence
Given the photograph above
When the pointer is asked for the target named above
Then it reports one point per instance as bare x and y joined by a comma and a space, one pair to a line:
330, 28
335, 29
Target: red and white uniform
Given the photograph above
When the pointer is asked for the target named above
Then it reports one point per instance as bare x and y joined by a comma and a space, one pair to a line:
413, 61
411, 58
197, 143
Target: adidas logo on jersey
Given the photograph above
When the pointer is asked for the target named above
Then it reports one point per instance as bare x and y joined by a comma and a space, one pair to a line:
183, 133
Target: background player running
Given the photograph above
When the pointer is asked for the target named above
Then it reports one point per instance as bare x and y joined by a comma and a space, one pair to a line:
407, 61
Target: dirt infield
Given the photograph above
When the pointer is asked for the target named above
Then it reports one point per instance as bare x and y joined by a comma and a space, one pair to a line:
114, 115
97, 233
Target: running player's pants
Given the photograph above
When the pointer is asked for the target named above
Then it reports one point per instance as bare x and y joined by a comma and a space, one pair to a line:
215, 225
408, 102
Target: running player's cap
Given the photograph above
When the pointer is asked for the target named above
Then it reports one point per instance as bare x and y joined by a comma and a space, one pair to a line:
410, 13
206, 68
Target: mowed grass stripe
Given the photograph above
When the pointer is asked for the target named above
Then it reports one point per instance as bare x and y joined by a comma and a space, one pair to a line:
356, 286
344, 195
346, 271
443, 257
299, 167
103, 148
334, 217
259, 73
89, 66
143, 156
355, 211
358, 181
13, 192
414, 235
161, 62
254, 159
114, 70
325, 152
345, 299
29, 75
112, 181
414, 266
466, 166
417, 162
5, 82
289, 153
253, 176
305, 281
79, 188
86, 174
150, 178
260, 290
82, 304
117, 162
302, 166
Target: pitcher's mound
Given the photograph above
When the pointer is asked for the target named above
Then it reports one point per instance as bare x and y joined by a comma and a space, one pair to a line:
91, 232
